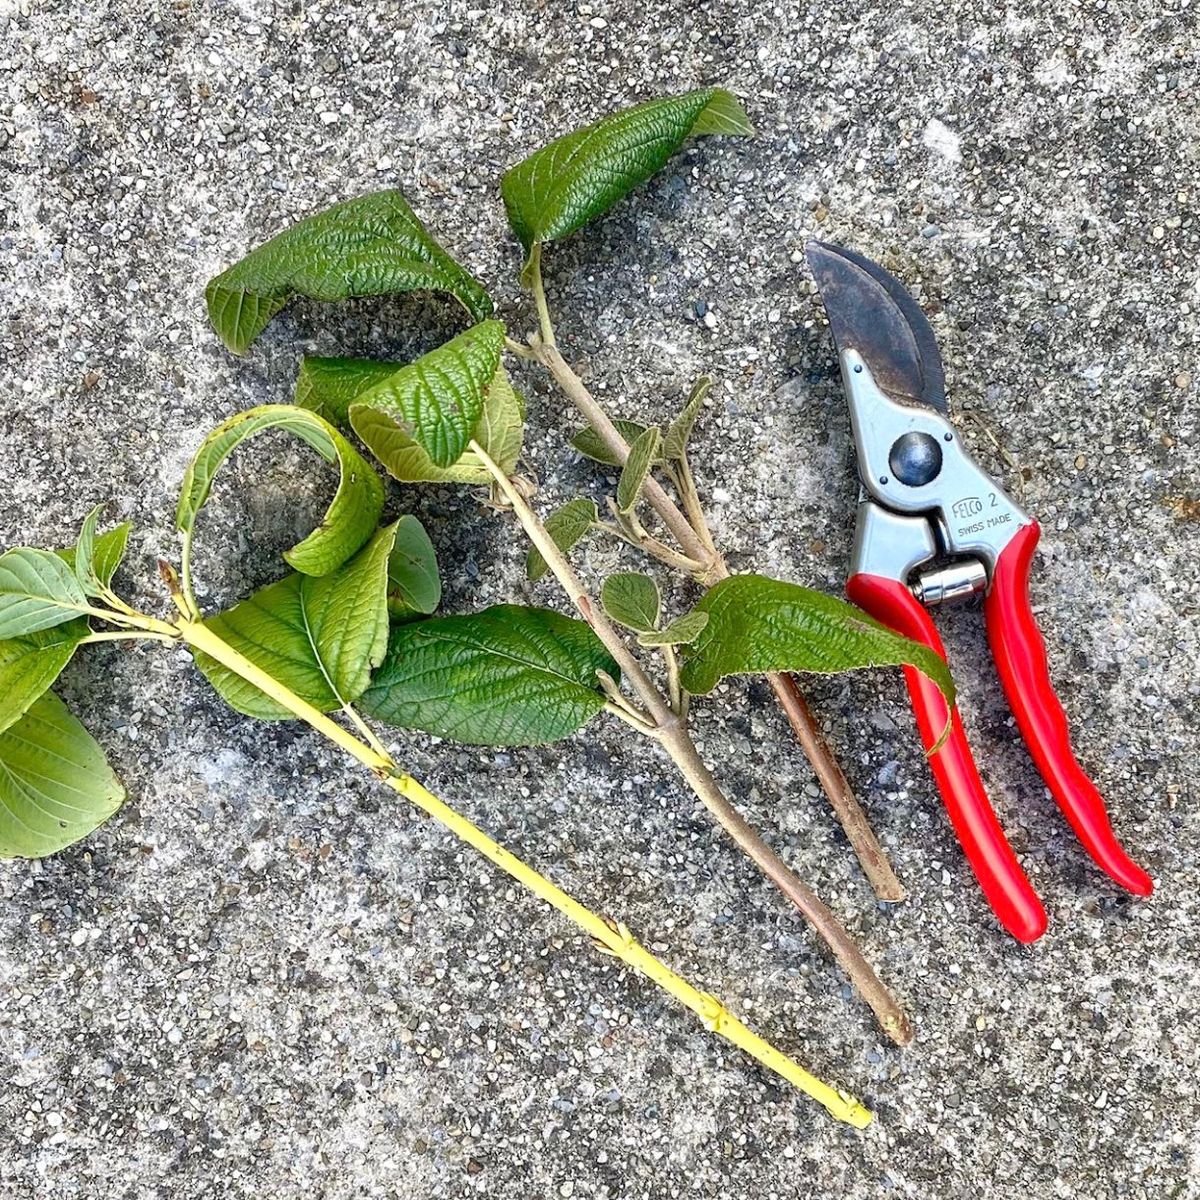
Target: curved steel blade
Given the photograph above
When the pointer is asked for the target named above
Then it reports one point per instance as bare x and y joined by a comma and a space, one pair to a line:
872, 312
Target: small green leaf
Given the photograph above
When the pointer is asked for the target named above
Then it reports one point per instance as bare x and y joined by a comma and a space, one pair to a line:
85, 554
500, 432
506, 676
565, 526
351, 517
30, 664
632, 600
577, 177
642, 456
38, 590
414, 586
679, 632
108, 549
328, 386
55, 784
320, 636
591, 445
675, 443
437, 400
758, 624
373, 245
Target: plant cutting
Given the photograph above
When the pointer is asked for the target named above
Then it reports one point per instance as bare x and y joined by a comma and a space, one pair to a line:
351, 634
303, 647
555, 192
453, 417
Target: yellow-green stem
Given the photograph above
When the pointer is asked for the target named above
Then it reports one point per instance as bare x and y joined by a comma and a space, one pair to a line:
614, 938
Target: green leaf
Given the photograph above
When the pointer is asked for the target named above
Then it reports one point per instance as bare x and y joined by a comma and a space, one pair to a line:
351, 517
328, 386
437, 400
38, 590
758, 624
675, 443
373, 245
632, 600
565, 526
85, 554
55, 784
320, 636
575, 178
30, 664
108, 549
506, 676
679, 632
642, 456
500, 432
414, 586
591, 445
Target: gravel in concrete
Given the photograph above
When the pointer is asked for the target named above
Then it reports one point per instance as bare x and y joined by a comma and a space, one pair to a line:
264, 978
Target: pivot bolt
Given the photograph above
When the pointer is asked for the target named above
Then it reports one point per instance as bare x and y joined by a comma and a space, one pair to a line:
915, 459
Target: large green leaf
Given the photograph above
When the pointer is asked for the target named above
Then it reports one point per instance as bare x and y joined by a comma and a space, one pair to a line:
108, 549
500, 432
38, 590
369, 246
55, 784
437, 400
758, 624
30, 664
351, 517
577, 177
506, 676
328, 386
414, 585
320, 636
565, 525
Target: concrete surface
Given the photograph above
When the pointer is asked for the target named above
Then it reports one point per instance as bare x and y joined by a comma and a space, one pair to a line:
266, 979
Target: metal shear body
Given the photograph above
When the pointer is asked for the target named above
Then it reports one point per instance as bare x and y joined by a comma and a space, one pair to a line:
932, 526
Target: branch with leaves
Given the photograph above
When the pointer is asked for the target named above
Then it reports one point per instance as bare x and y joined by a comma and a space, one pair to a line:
557, 190
305, 647
453, 417
501, 678
352, 634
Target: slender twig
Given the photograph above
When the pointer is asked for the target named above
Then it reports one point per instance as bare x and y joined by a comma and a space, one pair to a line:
185, 595
630, 530
520, 349
534, 270
365, 730
673, 735
674, 688
612, 690
622, 713
575, 390
829, 773
691, 503
127, 635
115, 602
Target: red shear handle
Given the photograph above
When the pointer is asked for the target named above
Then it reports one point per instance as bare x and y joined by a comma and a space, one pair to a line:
1004, 884
1020, 656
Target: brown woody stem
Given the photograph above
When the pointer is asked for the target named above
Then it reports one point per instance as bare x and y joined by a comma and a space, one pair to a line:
671, 731
693, 537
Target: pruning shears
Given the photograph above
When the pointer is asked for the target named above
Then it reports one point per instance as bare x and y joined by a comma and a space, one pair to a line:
932, 527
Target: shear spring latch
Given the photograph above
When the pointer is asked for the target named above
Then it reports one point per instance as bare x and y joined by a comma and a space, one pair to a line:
954, 582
